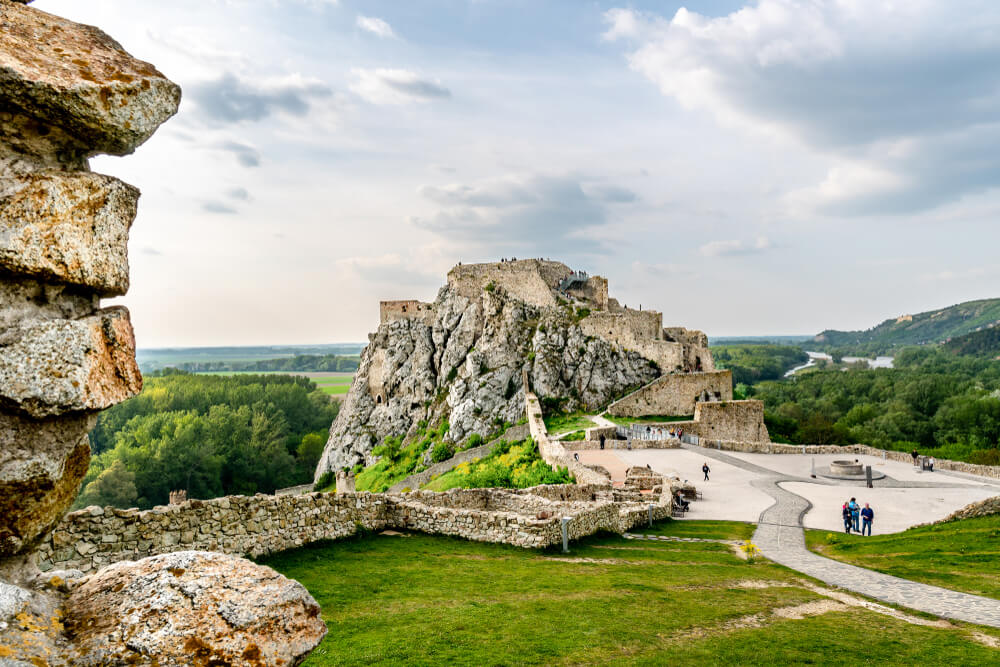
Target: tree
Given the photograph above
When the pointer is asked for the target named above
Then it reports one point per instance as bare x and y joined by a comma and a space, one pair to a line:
115, 486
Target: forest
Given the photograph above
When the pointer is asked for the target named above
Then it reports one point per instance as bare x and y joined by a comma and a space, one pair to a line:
209, 435
939, 403
300, 363
752, 363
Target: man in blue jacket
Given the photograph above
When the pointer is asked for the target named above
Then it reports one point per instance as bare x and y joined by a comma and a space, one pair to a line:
855, 511
867, 516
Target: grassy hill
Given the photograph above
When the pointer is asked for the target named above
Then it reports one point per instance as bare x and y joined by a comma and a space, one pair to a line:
935, 326
985, 343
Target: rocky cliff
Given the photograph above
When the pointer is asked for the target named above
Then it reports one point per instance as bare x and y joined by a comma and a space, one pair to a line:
68, 92
460, 360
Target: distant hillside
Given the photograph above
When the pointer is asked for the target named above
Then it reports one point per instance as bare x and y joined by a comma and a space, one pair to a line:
985, 343
936, 326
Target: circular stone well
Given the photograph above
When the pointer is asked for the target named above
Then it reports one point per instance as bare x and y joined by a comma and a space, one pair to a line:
846, 468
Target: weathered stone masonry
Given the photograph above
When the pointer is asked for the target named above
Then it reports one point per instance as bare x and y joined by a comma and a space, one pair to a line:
95, 537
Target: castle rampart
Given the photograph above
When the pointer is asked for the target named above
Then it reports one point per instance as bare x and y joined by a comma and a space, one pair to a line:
675, 394
533, 281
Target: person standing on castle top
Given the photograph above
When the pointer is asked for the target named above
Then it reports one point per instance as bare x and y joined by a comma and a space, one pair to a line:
867, 516
705, 469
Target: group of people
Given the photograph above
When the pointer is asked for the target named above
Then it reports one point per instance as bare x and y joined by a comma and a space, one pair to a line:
857, 518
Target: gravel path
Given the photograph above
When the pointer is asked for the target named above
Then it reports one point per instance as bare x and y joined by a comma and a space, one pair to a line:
780, 538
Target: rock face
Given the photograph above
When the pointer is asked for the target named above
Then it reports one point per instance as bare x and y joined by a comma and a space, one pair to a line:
75, 77
192, 608
460, 359
67, 92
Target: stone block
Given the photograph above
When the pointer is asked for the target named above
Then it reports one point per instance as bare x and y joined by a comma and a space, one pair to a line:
77, 78
49, 367
42, 463
69, 228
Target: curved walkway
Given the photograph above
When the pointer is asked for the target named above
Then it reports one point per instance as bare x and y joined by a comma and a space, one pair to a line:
780, 537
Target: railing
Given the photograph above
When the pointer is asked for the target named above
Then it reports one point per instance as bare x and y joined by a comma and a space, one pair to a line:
644, 432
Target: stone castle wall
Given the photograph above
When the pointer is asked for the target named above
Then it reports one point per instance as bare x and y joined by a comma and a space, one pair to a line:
259, 525
625, 327
390, 311
731, 420
531, 280
675, 394
595, 291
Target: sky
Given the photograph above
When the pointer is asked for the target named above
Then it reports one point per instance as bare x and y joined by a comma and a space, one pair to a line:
760, 168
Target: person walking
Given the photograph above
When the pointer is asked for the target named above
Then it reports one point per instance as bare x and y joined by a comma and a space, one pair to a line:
867, 516
855, 514
930, 464
705, 469
602, 441
845, 512
914, 454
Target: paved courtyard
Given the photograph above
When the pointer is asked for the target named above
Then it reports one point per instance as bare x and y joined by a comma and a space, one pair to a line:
904, 499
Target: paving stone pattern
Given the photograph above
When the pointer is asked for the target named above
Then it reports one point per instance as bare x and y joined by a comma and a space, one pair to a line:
780, 537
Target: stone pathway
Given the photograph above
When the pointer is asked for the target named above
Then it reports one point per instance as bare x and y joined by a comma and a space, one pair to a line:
600, 420
780, 538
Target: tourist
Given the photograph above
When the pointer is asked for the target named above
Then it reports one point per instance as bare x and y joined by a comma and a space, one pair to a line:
867, 515
680, 502
930, 464
576, 456
855, 514
845, 512
705, 469
915, 455
602, 441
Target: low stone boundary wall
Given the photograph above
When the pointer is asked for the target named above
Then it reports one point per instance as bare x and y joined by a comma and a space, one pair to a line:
552, 451
987, 507
581, 445
891, 455
259, 525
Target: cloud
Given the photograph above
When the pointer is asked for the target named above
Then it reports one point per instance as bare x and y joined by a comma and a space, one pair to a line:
394, 269
396, 86
247, 155
239, 193
218, 207
375, 26
531, 212
902, 99
734, 247
230, 99
150, 250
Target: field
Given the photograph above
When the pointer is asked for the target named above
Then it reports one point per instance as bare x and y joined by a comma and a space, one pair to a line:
328, 382
418, 599
961, 555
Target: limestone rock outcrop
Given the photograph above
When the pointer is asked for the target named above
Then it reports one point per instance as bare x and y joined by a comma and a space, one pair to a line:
192, 608
75, 77
67, 92
460, 360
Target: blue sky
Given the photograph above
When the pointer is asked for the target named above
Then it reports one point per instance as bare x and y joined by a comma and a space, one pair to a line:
747, 168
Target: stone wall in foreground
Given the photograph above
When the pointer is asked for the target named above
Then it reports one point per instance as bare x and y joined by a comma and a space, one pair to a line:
94, 537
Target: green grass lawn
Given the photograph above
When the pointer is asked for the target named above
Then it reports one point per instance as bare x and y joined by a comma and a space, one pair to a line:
560, 423
334, 388
961, 555
709, 530
426, 600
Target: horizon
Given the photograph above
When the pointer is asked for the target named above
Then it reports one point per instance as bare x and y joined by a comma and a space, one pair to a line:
758, 166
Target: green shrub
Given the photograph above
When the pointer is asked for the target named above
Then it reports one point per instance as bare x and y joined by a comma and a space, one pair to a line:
490, 286
441, 452
325, 480
474, 441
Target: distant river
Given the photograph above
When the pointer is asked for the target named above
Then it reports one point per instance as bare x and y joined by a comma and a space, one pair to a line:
877, 362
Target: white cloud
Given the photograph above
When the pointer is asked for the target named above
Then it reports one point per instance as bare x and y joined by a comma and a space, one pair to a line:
881, 89
396, 86
733, 247
375, 26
